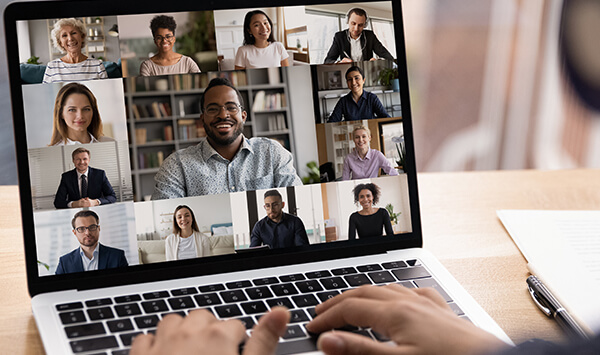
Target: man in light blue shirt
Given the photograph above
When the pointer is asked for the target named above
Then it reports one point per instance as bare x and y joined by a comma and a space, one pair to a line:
91, 255
225, 161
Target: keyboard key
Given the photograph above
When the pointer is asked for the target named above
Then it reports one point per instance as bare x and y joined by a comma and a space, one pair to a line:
233, 296
456, 309
362, 332
79, 346
380, 277
120, 352
100, 313
298, 315
305, 300
155, 306
407, 284
179, 313
208, 299
344, 271
265, 281
432, 283
84, 330
181, 303
290, 278
211, 288
466, 318
131, 309
72, 317
99, 302
333, 283
238, 284
284, 289
369, 268
411, 273
281, 302
379, 336
324, 296
357, 280
318, 274
293, 331
254, 307
311, 312
309, 286
119, 325
413, 262
127, 338
146, 321
248, 322
297, 346
155, 295
128, 298
394, 265
257, 293
69, 306
228, 311
184, 291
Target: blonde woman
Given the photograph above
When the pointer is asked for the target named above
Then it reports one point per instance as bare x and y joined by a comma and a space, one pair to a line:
68, 36
364, 162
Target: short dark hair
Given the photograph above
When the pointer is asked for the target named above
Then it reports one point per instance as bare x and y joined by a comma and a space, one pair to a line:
248, 38
354, 68
220, 82
79, 151
163, 21
273, 193
359, 12
176, 228
85, 213
375, 190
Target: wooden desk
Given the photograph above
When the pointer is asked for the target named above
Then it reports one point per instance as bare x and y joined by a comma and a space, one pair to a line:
459, 224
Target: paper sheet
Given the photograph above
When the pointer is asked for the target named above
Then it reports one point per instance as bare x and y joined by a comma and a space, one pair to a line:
563, 250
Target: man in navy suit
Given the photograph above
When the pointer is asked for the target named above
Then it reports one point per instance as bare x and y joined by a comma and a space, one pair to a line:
91, 255
355, 44
83, 186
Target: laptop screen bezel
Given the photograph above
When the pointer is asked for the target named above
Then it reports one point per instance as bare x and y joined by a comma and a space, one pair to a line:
187, 268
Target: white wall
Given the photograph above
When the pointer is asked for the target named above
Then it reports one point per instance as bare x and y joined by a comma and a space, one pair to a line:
138, 26
229, 29
39, 108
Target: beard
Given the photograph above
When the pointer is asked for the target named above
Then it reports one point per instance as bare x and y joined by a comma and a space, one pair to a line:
223, 140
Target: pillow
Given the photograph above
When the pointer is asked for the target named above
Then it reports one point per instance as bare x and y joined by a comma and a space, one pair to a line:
113, 70
32, 73
219, 231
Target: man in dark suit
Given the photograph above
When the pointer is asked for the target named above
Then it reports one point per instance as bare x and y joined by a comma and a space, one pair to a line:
91, 255
355, 43
83, 186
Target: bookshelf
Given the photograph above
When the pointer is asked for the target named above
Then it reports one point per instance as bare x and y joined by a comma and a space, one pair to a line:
163, 115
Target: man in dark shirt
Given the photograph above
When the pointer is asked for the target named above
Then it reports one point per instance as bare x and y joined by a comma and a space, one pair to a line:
358, 104
278, 229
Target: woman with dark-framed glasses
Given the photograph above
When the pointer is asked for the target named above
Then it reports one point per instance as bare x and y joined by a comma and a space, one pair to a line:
166, 61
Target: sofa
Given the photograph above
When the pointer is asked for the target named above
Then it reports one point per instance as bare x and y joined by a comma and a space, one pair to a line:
34, 73
153, 251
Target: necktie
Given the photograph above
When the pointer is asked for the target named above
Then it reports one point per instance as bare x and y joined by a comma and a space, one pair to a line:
83, 186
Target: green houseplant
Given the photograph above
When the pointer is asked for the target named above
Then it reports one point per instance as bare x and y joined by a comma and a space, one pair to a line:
393, 216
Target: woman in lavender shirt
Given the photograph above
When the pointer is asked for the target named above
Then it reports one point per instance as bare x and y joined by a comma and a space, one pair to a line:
364, 162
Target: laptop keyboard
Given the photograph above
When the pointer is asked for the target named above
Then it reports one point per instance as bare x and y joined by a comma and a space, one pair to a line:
108, 325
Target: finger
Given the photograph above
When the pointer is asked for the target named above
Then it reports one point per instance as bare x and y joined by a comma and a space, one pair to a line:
266, 333
168, 326
199, 318
345, 343
142, 344
227, 334
389, 292
355, 311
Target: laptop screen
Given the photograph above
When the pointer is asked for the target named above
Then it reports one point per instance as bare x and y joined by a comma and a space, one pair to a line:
210, 139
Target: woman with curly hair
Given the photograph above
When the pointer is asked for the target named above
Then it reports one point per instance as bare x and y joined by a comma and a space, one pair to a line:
369, 221
68, 36
166, 61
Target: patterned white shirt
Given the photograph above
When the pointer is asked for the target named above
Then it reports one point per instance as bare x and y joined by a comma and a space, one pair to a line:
89, 69
261, 163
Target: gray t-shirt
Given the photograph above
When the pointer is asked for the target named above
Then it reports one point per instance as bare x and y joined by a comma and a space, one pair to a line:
183, 66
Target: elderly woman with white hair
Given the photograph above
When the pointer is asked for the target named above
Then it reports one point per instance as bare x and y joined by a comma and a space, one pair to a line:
68, 36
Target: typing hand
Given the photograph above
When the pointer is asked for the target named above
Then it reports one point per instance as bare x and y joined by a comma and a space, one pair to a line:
345, 60
201, 333
418, 320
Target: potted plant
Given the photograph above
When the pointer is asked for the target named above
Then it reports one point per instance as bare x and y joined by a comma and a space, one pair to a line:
393, 216
199, 41
34, 60
314, 175
389, 77
401, 149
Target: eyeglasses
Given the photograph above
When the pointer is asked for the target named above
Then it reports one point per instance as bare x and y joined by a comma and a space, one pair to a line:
268, 206
214, 109
91, 228
167, 38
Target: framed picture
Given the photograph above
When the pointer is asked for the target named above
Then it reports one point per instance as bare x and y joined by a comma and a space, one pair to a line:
333, 79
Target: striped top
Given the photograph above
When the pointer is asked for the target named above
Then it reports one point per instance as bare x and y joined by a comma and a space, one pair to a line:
59, 71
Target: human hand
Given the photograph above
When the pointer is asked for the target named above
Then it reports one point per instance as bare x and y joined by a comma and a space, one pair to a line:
201, 333
79, 203
372, 59
418, 320
345, 60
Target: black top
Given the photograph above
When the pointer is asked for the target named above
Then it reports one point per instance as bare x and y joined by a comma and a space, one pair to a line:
287, 233
371, 225
341, 48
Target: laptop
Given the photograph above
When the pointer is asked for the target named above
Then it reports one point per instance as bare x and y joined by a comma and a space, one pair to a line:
131, 206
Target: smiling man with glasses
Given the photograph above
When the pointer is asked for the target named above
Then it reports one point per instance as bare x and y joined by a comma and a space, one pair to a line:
278, 229
91, 255
225, 161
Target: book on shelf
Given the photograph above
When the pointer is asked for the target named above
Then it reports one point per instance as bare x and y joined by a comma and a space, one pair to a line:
150, 160
268, 101
155, 109
168, 133
277, 122
190, 129
140, 135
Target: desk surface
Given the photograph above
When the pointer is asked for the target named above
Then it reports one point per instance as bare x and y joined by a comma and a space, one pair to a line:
460, 227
